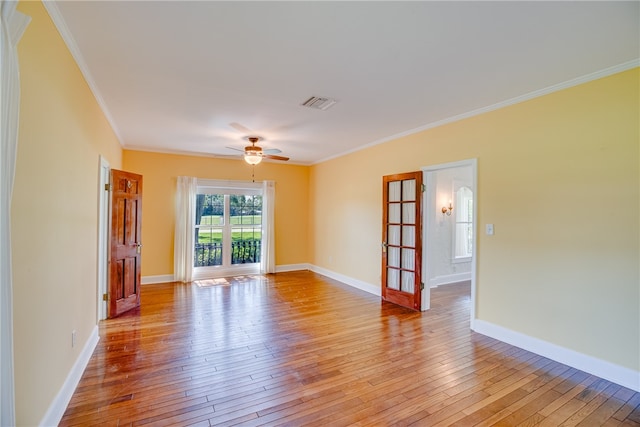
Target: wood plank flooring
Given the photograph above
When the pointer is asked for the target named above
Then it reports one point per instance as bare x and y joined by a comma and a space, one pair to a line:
297, 349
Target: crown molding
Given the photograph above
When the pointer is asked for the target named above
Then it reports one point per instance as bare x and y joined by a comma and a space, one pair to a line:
65, 33
233, 157
518, 99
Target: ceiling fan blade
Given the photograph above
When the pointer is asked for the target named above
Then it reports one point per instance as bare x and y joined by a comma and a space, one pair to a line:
235, 149
240, 128
269, 156
271, 151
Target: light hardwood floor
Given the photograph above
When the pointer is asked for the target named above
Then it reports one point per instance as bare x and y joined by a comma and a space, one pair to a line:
300, 349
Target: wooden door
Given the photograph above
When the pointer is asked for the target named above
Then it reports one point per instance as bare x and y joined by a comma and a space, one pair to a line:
402, 239
125, 242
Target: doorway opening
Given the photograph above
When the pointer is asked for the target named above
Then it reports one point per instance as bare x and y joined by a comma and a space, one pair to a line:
450, 227
228, 228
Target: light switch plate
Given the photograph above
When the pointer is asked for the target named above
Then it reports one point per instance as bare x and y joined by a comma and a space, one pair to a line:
489, 229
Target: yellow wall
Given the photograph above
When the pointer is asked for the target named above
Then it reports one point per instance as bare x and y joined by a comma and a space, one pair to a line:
557, 176
160, 172
54, 214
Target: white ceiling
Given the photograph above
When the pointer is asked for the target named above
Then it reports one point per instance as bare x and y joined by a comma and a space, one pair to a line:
195, 77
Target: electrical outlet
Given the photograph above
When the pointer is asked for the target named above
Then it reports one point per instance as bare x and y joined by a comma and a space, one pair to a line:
73, 338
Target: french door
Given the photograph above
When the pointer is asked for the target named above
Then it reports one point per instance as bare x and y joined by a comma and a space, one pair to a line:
402, 239
228, 231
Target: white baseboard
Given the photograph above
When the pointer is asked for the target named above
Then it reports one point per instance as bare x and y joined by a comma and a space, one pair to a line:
449, 278
163, 278
59, 405
291, 267
364, 286
609, 371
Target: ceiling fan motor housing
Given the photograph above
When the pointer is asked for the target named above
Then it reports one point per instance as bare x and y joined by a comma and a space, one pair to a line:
253, 150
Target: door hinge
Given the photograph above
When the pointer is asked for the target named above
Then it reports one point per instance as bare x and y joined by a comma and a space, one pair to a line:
423, 188
422, 286
107, 187
105, 297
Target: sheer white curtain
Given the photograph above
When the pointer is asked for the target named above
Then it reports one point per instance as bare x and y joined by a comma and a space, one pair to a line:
184, 233
268, 256
13, 24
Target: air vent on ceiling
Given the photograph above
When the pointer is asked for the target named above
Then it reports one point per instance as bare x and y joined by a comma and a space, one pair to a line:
319, 103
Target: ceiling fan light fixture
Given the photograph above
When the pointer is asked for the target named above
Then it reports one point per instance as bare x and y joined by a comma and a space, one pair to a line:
252, 158
253, 153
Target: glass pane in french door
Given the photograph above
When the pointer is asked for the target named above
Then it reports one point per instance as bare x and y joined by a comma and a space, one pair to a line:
209, 222
393, 279
246, 228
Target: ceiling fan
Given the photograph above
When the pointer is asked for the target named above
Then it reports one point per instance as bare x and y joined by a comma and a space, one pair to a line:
253, 154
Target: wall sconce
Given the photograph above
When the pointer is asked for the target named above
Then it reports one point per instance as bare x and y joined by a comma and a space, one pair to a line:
447, 210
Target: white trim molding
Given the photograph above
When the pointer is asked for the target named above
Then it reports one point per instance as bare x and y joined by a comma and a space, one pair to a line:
292, 267
69, 40
512, 101
163, 278
359, 284
449, 278
104, 172
56, 410
609, 371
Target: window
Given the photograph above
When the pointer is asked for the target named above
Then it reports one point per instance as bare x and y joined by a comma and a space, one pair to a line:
463, 231
228, 228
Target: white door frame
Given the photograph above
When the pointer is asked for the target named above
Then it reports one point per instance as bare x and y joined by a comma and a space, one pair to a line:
103, 236
428, 219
